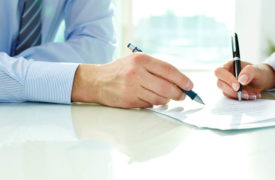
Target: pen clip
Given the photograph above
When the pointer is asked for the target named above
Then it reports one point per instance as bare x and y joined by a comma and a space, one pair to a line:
235, 46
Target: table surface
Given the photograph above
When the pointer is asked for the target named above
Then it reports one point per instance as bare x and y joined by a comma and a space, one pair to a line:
87, 141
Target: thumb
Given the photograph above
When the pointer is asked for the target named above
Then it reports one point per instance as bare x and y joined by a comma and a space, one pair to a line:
247, 74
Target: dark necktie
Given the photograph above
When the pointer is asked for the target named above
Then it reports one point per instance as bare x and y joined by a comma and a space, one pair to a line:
30, 26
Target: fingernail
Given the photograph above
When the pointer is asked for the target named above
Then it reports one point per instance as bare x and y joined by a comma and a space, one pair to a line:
245, 96
252, 97
259, 96
182, 97
235, 86
188, 85
243, 79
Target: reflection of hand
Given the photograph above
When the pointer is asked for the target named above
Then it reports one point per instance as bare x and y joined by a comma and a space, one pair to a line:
134, 81
129, 131
254, 78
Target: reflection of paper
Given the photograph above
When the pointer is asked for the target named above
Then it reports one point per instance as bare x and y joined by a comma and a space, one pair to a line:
225, 114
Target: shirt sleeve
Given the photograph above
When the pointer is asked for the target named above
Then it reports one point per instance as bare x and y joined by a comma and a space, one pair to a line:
89, 35
271, 61
28, 80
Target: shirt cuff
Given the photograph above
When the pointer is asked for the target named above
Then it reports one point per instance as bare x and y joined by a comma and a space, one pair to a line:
50, 82
271, 61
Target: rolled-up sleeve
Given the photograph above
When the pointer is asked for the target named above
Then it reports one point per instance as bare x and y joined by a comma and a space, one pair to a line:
28, 80
40, 74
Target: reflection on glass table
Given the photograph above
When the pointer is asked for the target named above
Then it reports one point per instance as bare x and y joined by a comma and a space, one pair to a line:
89, 141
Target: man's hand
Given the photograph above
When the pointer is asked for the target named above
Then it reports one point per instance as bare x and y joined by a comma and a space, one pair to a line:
134, 81
254, 78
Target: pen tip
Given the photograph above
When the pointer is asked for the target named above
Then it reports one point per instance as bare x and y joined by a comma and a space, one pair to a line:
240, 95
199, 100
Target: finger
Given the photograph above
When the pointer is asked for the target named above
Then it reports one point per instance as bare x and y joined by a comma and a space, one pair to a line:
248, 74
140, 103
227, 77
227, 89
229, 96
247, 93
151, 97
250, 93
169, 72
229, 65
244, 96
161, 86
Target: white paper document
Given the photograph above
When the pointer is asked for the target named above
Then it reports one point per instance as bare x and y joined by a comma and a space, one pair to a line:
224, 114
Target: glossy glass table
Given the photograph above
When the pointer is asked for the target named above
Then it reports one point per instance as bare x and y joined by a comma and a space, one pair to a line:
88, 141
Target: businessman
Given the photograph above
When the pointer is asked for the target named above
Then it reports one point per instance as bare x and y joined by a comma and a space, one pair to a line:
253, 78
34, 68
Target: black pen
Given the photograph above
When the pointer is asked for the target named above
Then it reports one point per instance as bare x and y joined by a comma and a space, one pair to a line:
236, 61
194, 96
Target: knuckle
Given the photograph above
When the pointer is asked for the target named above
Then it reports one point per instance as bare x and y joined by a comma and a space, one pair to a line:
169, 69
131, 72
138, 58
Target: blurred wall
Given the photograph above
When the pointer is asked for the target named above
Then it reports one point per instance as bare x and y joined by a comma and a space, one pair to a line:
255, 24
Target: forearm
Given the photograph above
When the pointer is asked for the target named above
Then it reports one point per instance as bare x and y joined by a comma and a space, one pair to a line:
269, 73
269, 66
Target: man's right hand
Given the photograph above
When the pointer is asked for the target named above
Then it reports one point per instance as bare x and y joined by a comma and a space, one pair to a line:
253, 78
135, 81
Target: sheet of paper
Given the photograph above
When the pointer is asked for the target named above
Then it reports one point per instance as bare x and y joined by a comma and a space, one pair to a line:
223, 114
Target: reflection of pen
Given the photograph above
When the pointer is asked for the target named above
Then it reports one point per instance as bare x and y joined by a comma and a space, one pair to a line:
194, 96
237, 61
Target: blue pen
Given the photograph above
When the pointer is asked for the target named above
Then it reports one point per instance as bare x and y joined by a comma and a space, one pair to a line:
194, 96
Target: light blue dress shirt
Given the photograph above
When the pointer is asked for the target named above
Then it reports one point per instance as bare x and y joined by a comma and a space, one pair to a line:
45, 73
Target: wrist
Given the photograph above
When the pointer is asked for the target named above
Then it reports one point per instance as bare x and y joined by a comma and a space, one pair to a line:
84, 88
270, 76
